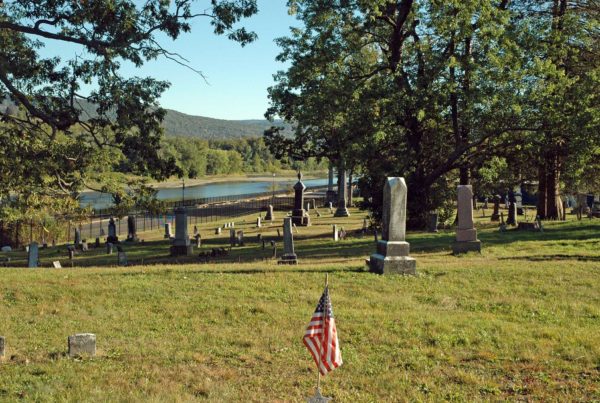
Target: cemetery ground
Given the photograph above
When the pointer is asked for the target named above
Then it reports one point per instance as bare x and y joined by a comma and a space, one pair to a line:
519, 322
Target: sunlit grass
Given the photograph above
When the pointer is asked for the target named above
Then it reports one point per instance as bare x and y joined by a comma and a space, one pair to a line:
520, 321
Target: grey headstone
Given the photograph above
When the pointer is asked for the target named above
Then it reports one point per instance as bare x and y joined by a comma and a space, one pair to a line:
122, 258
496, 213
466, 234
258, 223
168, 231
112, 231
33, 255
56, 264
181, 245
432, 223
392, 254
6, 248
77, 237
82, 344
218, 231
232, 238
270, 216
335, 233
289, 256
109, 248
131, 229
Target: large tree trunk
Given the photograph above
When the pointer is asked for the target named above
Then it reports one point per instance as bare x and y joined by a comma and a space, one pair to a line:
553, 200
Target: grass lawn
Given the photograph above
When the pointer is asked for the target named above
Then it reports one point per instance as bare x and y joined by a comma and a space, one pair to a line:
521, 321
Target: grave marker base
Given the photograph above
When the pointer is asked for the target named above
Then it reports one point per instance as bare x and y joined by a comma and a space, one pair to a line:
466, 246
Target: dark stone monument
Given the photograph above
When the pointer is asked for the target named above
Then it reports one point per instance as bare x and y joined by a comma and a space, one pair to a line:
232, 237
299, 215
392, 254
168, 231
112, 231
77, 240
432, 222
270, 216
33, 255
109, 248
496, 213
181, 245
512, 210
342, 210
331, 195
2, 347
289, 256
131, 229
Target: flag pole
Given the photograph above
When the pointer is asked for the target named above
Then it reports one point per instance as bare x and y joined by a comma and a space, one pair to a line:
321, 343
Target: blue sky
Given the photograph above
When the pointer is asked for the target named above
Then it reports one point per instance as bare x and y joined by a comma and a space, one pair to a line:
238, 77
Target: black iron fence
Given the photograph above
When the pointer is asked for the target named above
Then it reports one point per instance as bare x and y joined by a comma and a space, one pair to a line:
199, 211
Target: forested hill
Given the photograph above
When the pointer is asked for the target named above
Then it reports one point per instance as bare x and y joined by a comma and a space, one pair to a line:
180, 124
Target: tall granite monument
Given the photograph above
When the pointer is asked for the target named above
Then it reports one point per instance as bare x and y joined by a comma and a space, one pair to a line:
181, 245
392, 254
466, 234
342, 210
289, 256
299, 216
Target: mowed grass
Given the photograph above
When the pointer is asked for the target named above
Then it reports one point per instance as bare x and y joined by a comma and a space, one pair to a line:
521, 321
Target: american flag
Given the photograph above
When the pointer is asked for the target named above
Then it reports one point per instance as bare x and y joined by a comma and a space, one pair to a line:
321, 336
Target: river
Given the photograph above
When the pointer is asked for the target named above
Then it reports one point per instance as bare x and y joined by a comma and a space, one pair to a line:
99, 200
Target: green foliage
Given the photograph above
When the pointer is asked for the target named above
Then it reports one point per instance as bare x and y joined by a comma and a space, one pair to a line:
428, 89
197, 158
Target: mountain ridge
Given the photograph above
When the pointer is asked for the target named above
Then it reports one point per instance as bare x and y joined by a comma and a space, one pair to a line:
182, 124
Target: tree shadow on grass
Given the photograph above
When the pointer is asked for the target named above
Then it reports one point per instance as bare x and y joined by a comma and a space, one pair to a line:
558, 257
280, 269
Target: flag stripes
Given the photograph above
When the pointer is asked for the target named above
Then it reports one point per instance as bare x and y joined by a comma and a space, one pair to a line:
320, 337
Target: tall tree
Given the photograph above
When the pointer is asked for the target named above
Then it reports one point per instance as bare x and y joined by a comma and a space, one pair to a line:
48, 126
428, 82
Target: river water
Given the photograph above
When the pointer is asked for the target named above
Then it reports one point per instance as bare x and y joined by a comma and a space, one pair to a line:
99, 200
